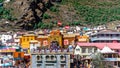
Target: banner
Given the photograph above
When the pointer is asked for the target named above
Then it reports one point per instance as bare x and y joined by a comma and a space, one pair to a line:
59, 23
45, 43
66, 42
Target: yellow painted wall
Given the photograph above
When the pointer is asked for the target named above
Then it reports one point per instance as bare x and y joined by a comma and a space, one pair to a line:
25, 40
83, 38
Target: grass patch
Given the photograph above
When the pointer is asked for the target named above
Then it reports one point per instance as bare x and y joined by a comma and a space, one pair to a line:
96, 12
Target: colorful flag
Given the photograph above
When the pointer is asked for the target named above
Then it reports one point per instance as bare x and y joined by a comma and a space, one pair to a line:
59, 23
67, 27
66, 42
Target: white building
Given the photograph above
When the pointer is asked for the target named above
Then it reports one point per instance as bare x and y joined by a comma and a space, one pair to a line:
5, 37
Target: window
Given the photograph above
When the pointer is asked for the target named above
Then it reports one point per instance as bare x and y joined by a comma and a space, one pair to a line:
110, 55
47, 57
27, 39
66, 42
83, 50
62, 66
62, 57
38, 57
115, 63
1, 61
38, 65
19, 54
52, 57
23, 39
77, 49
45, 42
90, 50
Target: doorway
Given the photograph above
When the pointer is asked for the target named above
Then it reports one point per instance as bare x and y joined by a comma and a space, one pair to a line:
54, 45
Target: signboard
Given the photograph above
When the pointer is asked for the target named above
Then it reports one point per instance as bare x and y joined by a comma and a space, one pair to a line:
67, 27
45, 43
66, 42
59, 23
82, 39
18, 54
7, 50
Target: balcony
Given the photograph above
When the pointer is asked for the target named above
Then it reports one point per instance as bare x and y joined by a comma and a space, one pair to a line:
51, 59
63, 58
105, 38
60, 51
39, 58
112, 59
39, 61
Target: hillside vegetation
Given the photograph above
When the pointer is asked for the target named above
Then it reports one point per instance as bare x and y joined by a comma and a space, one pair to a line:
45, 14
95, 12
83, 12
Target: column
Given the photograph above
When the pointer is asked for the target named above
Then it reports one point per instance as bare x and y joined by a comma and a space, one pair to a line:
43, 61
58, 61
33, 60
67, 61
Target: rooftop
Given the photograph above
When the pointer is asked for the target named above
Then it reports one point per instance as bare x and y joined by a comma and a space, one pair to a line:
101, 45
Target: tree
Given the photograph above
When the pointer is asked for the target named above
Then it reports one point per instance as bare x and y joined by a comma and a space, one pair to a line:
1, 1
98, 61
35, 26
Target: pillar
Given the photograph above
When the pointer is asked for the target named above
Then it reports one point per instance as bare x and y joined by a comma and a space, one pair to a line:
43, 61
67, 61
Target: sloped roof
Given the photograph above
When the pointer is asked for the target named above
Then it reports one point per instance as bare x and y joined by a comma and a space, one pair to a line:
101, 45
106, 49
108, 31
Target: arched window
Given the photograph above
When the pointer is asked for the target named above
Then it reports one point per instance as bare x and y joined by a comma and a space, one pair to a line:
62, 57
47, 57
52, 57
38, 57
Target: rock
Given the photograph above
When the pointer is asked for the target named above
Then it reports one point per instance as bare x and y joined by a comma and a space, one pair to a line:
29, 12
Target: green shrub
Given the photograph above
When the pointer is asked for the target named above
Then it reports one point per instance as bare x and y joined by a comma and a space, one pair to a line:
95, 12
43, 25
6, 14
46, 16
54, 9
1, 1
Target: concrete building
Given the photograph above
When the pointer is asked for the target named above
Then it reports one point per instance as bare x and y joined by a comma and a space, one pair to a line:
106, 36
5, 37
51, 59
110, 51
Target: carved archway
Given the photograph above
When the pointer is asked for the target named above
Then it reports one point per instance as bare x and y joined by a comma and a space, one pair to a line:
54, 45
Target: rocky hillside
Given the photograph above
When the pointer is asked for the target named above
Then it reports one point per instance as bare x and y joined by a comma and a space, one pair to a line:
28, 12
33, 14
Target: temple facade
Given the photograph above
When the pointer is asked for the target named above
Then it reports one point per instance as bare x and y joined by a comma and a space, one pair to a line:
55, 37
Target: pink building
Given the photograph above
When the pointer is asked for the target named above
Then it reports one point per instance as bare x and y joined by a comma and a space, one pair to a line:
111, 51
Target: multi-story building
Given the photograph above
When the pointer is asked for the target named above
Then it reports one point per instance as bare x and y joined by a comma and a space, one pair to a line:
82, 38
109, 50
63, 39
5, 37
10, 55
50, 59
45, 40
106, 36
25, 40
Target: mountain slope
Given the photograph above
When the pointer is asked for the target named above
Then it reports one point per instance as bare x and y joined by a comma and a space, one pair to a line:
33, 14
